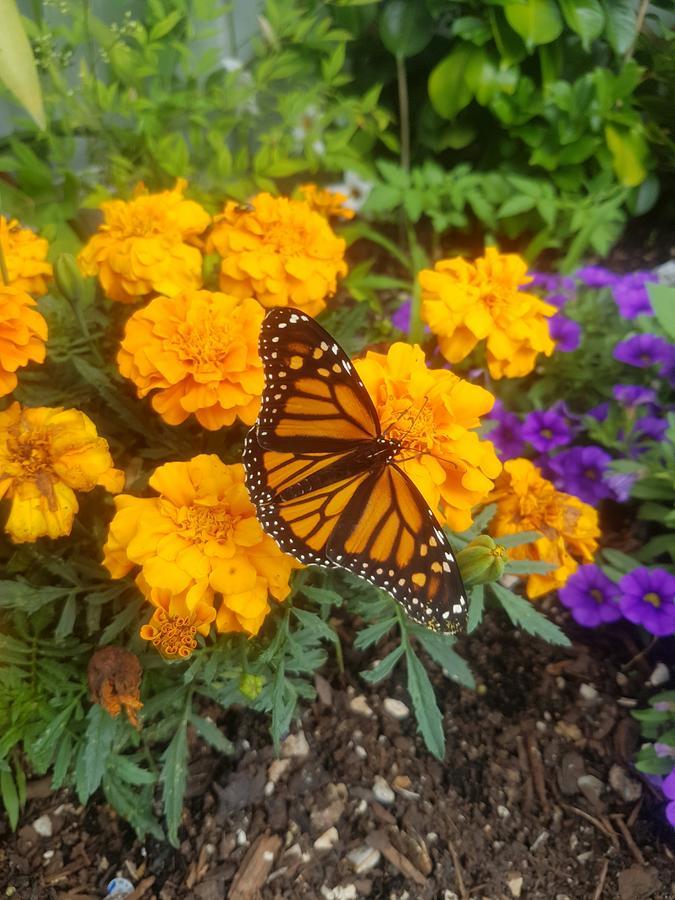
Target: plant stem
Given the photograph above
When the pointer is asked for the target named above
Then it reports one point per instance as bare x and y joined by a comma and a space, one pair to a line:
417, 261
404, 112
639, 22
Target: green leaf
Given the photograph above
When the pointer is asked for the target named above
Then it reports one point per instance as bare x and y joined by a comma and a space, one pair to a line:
448, 86
208, 730
528, 567
440, 649
93, 756
164, 26
67, 618
515, 540
123, 618
662, 298
174, 779
129, 771
64, 756
621, 18
10, 797
18, 71
523, 615
630, 152
384, 667
619, 560
536, 21
515, 205
585, 17
476, 608
429, 718
372, 633
405, 28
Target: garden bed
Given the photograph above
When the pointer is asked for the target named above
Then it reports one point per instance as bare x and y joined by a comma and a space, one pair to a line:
504, 817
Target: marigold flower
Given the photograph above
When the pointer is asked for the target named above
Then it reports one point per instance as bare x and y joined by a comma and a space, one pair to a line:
330, 204
25, 256
23, 333
200, 542
526, 501
114, 677
46, 454
433, 412
464, 303
144, 246
281, 252
199, 351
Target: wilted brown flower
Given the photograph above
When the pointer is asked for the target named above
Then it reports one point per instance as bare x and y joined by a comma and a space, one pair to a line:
114, 676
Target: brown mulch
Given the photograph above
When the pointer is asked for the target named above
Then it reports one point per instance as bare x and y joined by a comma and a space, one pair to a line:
536, 797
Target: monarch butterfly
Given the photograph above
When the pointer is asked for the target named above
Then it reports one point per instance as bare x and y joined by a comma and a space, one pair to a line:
325, 480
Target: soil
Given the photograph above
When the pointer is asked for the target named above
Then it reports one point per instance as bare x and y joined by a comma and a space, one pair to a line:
535, 799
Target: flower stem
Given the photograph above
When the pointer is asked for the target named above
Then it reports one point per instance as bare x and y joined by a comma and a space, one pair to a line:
417, 260
404, 111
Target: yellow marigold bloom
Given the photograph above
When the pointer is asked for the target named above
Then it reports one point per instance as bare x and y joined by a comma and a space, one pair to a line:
199, 351
526, 501
144, 245
46, 454
280, 251
25, 257
23, 333
464, 303
199, 541
330, 204
433, 412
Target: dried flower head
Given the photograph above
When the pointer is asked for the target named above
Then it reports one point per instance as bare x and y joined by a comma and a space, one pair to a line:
279, 251
464, 303
144, 246
198, 544
199, 352
526, 501
435, 413
330, 204
23, 332
114, 678
46, 454
25, 257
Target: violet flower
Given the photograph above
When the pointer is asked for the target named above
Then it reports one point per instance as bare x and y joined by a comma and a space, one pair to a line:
643, 350
565, 332
597, 276
652, 428
506, 436
591, 597
632, 395
581, 471
648, 599
630, 295
668, 788
546, 429
401, 318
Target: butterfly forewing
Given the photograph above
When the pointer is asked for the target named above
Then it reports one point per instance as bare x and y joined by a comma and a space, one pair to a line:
313, 398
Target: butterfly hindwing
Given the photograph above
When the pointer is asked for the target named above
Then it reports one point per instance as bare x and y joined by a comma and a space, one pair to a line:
313, 398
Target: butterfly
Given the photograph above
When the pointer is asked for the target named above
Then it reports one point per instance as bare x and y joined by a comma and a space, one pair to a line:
326, 480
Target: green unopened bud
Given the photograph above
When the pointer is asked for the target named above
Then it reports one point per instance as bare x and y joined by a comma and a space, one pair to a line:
251, 685
69, 280
482, 560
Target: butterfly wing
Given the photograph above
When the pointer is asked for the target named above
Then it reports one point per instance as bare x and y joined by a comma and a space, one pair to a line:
313, 399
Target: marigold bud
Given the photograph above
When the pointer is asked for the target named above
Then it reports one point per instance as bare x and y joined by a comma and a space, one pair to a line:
482, 560
69, 279
251, 685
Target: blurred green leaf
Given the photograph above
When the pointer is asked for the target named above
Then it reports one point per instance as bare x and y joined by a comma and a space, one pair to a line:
662, 299
17, 64
629, 154
585, 17
405, 28
449, 82
536, 21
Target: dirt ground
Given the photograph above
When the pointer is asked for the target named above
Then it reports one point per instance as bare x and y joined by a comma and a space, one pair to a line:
536, 798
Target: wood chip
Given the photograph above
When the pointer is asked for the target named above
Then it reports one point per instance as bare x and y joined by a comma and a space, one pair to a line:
628, 838
601, 880
379, 840
537, 767
141, 888
255, 867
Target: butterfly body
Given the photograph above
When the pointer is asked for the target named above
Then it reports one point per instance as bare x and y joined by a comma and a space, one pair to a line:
328, 484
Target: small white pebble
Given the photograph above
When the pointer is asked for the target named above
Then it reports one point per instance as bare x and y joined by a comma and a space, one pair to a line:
48, 854
43, 826
364, 858
361, 807
359, 705
241, 838
395, 708
360, 751
660, 675
327, 840
382, 792
588, 692
268, 856
269, 789
503, 812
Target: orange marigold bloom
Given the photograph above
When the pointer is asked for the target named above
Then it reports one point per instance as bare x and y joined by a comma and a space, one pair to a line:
330, 204
526, 501
198, 544
23, 332
281, 252
464, 303
25, 256
114, 677
46, 454
144, 245
434, 413
199, 351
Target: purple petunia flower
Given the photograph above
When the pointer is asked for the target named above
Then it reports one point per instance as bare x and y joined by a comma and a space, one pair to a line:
621, 484
551, 282
506, 436
663, 751
581, 471
599, 412
565, 332
632, 395
630, 294
597, 276
667, 368
648, 599
642, 350
591, 597
668, 788
546, 429
401, 318
651, 427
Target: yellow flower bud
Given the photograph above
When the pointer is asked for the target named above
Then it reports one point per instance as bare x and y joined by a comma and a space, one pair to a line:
251, 685
482, 560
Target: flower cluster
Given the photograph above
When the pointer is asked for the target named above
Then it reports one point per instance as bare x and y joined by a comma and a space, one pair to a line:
434, 413
23, 332
331, 204
464, 303
526, 501
199, 553
147, 246
279, 251
199, 352
644, 596
25, 258
46, 454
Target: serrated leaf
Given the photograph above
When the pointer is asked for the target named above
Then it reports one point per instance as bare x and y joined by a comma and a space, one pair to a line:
120, 622
523, 614
93, 756
427, 713
208, 730
315, 624
384, 667
528, 567
174, 779
67, 618
129, 771
135, 809
476, 608
10, 797
618, 560
372, 633
64, 756
440, 649
515, 540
